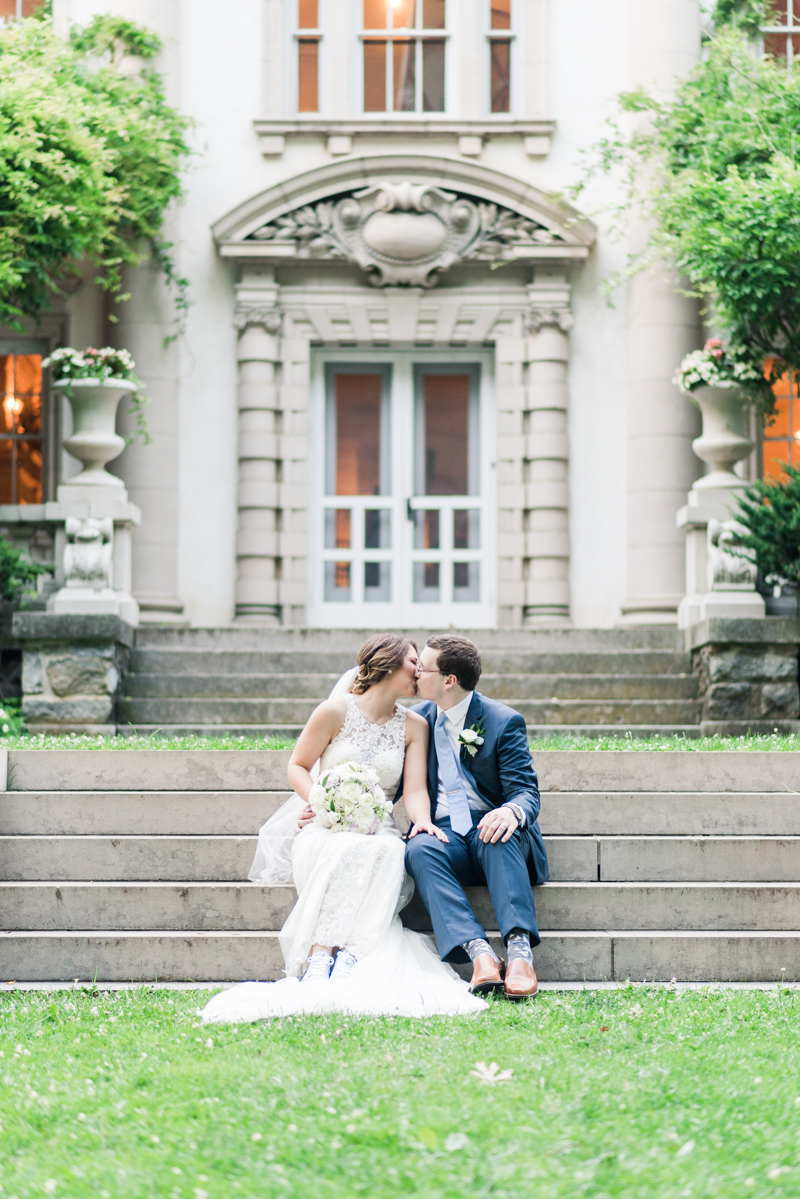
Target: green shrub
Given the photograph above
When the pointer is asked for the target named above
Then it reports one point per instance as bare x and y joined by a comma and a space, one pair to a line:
769, 511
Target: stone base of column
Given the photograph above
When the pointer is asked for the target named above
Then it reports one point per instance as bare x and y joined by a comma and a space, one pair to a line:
162, 609
261, 614
549, 618
659, 609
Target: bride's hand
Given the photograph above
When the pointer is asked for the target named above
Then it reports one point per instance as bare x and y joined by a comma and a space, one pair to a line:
306, 816
427, 826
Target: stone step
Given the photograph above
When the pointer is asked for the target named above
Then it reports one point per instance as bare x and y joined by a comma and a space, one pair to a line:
297, 711
198, 858
513, 660
536, 732
241, 813
509, 688
251, 637
621, 771
197, 956
239, 906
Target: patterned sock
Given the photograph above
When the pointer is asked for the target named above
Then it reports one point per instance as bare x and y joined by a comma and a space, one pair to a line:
518, 945
477, 947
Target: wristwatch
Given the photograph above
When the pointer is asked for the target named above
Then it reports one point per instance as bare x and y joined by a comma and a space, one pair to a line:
518, 812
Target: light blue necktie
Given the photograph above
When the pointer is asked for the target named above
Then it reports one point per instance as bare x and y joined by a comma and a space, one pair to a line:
460, 815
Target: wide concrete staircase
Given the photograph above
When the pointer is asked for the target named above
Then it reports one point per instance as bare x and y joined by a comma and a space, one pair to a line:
130, 865
261, 681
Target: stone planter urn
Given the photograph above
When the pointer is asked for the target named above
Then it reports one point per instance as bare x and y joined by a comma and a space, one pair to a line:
724, 440
94, 440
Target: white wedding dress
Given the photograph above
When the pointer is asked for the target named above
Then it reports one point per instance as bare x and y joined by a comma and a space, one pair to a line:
350, 889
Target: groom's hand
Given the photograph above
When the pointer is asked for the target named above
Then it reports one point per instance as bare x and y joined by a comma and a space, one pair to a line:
305, 817
497, 825
426, 826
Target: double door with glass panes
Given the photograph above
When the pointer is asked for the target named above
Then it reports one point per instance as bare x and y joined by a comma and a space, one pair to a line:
404, 500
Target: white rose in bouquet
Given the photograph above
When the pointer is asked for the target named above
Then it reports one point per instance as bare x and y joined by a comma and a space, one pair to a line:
348, 798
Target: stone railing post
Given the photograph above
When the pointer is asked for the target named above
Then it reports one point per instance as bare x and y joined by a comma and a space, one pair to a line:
546, 516
258, 562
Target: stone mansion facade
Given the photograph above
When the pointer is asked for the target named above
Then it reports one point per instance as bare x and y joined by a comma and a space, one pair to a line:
402, 398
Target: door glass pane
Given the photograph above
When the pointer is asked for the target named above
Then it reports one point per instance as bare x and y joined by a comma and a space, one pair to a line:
377, 582
501, 76
426, 583
466, 582
358, 434
337, 583
466, 529
402, 13
426, 529
501, 14
433, 76
307, 75
29, 472
377, 529
21, 416
405, 59
376, 14
374, 76
433, 14
446, 447
337, 529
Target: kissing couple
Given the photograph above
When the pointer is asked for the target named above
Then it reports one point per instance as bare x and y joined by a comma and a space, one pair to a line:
461, 764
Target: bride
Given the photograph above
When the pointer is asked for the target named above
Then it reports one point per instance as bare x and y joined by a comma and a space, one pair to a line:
343, 944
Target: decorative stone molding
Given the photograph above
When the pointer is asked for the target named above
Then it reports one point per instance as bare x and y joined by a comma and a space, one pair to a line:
405, 232
89, 552
538, 317
268, 318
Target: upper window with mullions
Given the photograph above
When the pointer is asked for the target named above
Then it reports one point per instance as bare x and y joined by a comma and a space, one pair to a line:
404, 55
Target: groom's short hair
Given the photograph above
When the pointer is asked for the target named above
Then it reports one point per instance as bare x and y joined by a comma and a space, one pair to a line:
458, 656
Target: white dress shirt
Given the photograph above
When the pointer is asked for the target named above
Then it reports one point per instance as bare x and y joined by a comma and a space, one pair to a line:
453, 725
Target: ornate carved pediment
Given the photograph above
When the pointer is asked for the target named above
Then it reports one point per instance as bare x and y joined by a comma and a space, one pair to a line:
403, 232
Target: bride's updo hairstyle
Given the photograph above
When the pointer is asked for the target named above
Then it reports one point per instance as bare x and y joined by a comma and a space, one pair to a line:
379, 657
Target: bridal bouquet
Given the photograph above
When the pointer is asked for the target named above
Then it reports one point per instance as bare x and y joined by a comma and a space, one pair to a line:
347, 798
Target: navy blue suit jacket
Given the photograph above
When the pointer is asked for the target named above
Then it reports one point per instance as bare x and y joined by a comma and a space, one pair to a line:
501, 771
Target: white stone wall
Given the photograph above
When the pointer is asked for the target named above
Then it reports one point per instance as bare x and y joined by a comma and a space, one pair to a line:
227, 67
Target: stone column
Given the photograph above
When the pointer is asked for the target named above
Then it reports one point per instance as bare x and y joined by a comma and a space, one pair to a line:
258, 560
510, 386
546, 516
662, 326
295, 387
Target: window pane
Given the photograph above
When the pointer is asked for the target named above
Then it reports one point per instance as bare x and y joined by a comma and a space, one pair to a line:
358, 434
426, 529
466, 529
433, 76
8, 8
403, 13
6, 471
307, 76
447, 434
405, 61
426, 583
337, 529
376, 14
374, 76
466, 582
337, 582
29, 472
433, 14
307, 14
774, 453
501, 14
377, 529
501, 76
377, 582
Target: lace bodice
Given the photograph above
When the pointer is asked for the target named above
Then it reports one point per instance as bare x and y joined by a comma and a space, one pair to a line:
381, 746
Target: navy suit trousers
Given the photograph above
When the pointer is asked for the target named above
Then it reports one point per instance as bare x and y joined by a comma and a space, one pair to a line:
441, 872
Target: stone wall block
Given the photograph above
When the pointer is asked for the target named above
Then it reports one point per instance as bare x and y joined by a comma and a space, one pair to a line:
257, 444
32, 673
255, 542
82, 670
748, 683
547, 494
549, 344
88, 711
257, 344
258, 420
548, 445
780, 701
755, 663
552, 543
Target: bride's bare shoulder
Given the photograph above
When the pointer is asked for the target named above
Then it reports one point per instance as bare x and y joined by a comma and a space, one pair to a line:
416, 725
334, 709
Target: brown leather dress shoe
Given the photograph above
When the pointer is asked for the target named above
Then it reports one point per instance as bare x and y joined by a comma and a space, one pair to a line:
521, 982
487, 975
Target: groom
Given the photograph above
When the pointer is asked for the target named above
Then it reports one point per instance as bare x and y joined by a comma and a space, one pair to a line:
487, 803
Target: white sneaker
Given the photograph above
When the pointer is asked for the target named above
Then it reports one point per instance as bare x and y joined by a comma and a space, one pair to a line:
343, 965
318, 968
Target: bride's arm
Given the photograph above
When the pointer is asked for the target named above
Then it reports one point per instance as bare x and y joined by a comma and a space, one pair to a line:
322, 727
415, 778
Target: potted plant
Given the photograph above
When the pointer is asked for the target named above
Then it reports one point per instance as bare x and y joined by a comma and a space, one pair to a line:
769, 514
715, 378
94, 381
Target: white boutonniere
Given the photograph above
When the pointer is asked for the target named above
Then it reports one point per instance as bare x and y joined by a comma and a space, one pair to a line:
470, 739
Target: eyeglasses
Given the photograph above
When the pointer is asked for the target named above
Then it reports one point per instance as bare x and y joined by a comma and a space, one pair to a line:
429, 670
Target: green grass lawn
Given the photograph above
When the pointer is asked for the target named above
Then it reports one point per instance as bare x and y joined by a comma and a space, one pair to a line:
640, 1092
